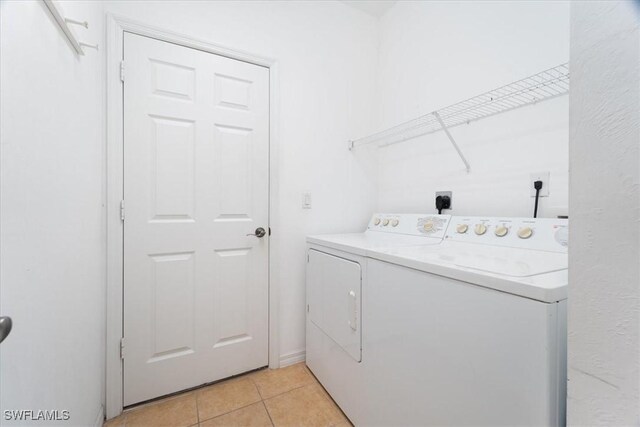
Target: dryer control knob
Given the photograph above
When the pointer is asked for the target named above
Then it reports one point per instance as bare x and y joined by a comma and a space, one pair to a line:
462, 228
376, 221
395, 222
428, 226
501, 231
480, 229
525, 232
385, 222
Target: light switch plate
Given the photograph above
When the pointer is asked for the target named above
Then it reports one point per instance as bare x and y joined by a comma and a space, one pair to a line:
306, 200
540, 176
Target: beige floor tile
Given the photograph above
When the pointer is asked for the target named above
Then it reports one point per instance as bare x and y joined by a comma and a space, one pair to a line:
225, 397
272, 382
115, 422
173, 412
304, 407
250, 416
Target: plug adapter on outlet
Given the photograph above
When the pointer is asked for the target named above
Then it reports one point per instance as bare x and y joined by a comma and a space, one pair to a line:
448, 194
540, 176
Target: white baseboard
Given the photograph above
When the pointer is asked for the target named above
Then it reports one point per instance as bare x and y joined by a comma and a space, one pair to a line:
292, 358
100, 418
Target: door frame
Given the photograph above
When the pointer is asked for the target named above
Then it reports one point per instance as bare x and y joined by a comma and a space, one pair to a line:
117, 25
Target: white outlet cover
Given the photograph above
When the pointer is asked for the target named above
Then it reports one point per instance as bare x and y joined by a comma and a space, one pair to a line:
540, 176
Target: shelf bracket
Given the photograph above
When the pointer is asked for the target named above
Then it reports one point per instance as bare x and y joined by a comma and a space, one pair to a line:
64, 23
453, 141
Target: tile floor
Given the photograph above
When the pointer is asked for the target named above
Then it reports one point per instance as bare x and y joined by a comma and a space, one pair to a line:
289, 396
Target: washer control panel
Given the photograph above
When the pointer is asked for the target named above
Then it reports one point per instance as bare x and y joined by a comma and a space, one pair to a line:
545, 234
429, 225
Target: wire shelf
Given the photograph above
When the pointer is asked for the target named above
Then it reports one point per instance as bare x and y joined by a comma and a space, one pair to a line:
545, 85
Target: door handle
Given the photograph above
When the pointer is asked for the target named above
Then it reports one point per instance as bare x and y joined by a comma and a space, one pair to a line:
353, 309
260, 232
5, 327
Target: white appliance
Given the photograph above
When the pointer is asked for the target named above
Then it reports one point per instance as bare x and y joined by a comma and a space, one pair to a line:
468, 332
336, 274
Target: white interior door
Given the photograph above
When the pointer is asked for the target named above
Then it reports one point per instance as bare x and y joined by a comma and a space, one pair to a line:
196, 183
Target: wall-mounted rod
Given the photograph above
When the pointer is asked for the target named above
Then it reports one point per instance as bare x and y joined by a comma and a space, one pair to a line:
63, 23
453, 141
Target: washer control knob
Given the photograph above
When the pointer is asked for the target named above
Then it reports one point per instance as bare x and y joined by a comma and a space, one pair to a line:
462, 228
428, 226
480, 229
385, 222
525, 232
395, 222
501, 231
376, 221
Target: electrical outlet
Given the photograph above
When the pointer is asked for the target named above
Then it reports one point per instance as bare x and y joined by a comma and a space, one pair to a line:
446, 193
540, 176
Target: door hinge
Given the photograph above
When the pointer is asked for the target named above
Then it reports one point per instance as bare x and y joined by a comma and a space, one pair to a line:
122, 348
122, 210
307, 308
122, 71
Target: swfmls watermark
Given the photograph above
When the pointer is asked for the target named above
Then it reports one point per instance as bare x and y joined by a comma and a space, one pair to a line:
36, 415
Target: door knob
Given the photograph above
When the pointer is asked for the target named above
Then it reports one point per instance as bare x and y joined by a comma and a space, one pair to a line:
260, 232
5, 327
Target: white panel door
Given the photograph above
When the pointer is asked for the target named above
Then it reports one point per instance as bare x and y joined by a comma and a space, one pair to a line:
196, 183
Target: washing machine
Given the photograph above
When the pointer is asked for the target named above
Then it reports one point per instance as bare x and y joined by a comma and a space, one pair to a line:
337, 278
473, 333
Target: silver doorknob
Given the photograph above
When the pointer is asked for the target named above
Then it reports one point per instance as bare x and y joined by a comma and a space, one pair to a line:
260, 232
5, 327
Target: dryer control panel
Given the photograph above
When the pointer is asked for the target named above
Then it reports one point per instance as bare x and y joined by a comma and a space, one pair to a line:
429, 225
544, 234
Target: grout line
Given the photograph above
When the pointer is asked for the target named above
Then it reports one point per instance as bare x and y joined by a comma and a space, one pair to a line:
197, 408
285, 392
228, 412
268, 413
256, 386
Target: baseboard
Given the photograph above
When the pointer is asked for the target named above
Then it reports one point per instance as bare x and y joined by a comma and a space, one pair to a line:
100, 418
292, 358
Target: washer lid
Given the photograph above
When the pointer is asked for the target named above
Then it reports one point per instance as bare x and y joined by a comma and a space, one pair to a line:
499, 260
532, 274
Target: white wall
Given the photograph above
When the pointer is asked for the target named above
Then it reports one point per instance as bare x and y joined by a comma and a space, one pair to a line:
52, 240
433, 54
604, 275
327, 55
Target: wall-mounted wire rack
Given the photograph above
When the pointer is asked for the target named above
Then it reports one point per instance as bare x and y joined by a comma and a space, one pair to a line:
544, 85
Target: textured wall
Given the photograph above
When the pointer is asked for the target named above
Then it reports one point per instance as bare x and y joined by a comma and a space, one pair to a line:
605, 215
